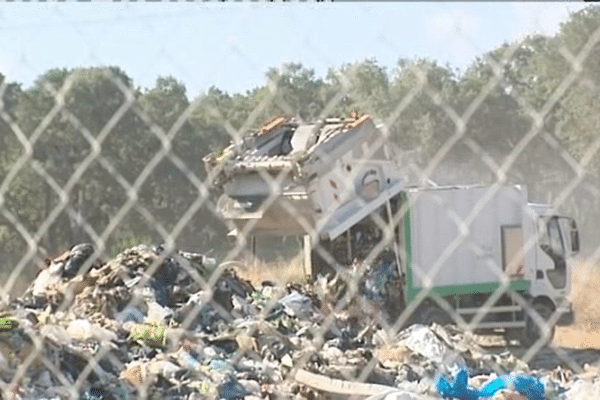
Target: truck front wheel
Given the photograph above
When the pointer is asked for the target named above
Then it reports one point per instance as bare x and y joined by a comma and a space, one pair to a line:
533, 332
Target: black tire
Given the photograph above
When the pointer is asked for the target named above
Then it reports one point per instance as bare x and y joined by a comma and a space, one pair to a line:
433, 314
532, 332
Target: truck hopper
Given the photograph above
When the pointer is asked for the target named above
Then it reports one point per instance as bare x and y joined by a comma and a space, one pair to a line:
288, 178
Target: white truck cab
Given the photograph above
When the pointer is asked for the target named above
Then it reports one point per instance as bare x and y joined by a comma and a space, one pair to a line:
557, 242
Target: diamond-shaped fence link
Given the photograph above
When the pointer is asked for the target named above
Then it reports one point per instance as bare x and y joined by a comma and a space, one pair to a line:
358, 263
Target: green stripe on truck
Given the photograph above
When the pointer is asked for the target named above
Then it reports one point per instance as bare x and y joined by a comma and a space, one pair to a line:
411, 291
485, 287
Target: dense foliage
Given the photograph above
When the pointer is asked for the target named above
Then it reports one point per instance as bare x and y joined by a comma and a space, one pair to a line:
525, 112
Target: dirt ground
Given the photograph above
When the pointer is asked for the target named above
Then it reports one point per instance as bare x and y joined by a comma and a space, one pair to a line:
585, 294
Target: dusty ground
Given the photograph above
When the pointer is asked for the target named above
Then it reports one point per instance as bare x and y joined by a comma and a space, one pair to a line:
585, 293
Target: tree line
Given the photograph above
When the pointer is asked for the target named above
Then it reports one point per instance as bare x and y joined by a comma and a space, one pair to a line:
525, 112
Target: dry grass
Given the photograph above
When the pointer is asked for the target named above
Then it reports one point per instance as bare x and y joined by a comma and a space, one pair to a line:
279, 272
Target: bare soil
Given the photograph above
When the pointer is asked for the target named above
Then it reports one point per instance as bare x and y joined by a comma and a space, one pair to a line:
585, 295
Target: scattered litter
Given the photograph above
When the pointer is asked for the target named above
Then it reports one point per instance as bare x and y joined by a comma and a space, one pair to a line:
149, 334
174, 325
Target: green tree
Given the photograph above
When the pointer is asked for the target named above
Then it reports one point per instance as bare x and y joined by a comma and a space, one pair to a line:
171, 188
68, 110
11, 243
419, 92
295, 90
217, 116
578, 121
362, 85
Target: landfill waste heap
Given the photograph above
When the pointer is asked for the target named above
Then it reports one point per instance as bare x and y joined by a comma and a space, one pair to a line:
153, 323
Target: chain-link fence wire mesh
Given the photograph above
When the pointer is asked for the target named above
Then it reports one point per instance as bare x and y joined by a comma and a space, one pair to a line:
61, 156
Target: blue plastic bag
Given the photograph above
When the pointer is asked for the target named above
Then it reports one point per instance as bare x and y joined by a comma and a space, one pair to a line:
527, 386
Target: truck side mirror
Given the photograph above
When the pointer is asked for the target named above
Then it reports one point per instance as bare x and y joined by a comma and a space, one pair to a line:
575, 241
545, 247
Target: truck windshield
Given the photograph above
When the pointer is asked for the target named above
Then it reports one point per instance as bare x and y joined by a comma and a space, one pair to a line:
556, 238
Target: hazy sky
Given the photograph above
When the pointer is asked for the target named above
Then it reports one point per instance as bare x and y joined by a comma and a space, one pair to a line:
232, 45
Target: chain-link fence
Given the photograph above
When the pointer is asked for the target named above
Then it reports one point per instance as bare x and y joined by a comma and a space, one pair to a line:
359, 235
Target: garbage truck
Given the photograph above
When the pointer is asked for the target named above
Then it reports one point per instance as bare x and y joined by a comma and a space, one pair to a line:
482, 256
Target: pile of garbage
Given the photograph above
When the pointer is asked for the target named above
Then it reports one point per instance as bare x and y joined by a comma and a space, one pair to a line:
174, 325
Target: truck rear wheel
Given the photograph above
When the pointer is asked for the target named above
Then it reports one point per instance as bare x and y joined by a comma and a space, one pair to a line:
532, 332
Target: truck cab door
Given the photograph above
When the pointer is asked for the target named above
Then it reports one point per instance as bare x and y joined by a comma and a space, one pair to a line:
555, 245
